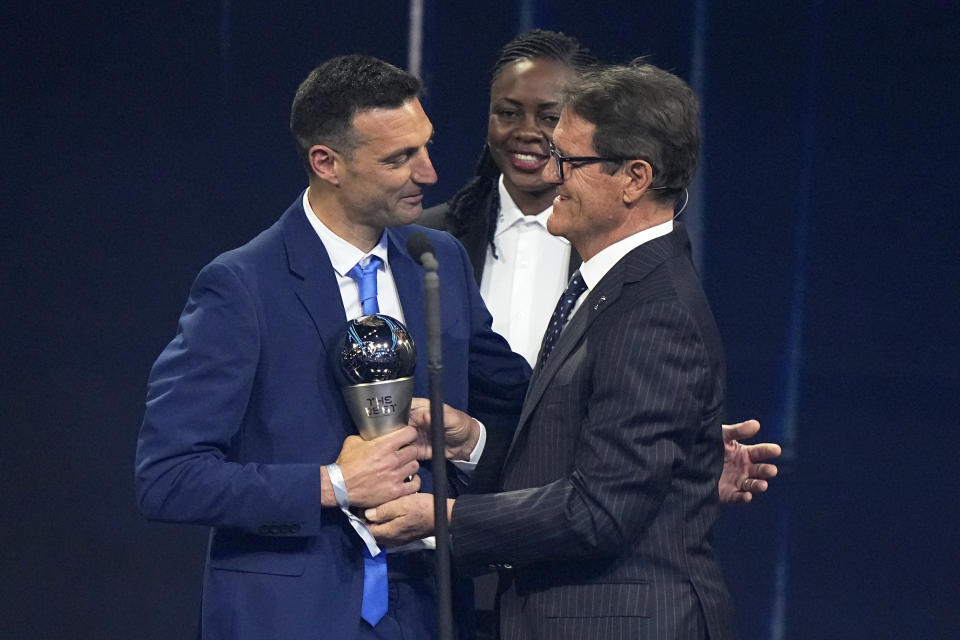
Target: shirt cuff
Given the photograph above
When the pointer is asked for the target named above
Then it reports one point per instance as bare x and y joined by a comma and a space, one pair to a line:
467, 466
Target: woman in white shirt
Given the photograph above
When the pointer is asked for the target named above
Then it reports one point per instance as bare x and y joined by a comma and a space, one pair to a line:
500, 215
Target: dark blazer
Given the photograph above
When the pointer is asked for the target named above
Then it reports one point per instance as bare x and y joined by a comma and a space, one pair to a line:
242, 411
609, 490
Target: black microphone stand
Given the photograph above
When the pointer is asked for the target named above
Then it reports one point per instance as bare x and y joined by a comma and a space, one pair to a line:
431, 286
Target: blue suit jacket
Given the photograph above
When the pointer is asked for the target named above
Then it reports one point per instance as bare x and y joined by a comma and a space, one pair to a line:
242, 412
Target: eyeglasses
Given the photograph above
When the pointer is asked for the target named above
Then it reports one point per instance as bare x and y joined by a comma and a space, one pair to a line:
580, 160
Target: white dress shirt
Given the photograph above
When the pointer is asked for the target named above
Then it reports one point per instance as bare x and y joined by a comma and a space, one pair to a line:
522, 284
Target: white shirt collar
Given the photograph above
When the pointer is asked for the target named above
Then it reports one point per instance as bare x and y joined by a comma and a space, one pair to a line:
343, 255
596, 267
510, 213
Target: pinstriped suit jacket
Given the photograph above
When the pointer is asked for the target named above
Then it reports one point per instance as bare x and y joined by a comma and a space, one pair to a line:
609, 490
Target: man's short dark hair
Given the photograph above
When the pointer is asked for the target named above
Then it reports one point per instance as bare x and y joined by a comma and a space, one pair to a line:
641, 111
334, 92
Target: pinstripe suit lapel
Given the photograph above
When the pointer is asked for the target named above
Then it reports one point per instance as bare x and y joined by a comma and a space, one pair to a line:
605, 293
632, 267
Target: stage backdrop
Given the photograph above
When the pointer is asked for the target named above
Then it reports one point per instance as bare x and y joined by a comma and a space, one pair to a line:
141, 139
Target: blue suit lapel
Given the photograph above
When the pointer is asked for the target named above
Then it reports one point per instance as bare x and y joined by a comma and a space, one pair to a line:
313, 279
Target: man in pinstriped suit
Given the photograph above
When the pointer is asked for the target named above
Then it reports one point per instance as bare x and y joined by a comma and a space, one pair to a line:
608, 493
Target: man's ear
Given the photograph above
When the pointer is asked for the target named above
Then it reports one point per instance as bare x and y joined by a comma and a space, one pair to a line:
325, 163
639, 175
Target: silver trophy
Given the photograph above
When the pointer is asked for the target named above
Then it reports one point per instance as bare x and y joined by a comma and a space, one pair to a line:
373, 362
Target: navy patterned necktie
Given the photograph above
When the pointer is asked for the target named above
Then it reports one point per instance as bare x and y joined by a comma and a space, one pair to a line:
366, 278
565, 304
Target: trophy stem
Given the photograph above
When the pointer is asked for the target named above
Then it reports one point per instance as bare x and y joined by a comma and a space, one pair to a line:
379, 407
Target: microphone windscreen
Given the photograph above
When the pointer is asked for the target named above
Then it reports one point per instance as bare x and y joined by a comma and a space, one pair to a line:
418, 244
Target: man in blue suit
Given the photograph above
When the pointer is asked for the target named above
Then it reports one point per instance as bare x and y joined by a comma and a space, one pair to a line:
245, 427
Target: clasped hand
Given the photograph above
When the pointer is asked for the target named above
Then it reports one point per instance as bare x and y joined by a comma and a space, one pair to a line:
411, 517
375, 472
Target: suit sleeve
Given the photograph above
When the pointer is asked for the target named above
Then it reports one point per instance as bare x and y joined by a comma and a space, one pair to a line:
197, 395
644, 383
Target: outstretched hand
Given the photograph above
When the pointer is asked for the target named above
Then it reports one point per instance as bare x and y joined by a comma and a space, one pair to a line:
461, 431
744, 472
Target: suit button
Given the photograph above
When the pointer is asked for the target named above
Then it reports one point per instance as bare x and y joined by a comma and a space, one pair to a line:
263, 529
507, 566
492, 567
295, 528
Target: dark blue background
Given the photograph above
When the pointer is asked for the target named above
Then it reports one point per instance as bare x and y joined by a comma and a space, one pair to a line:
141, 139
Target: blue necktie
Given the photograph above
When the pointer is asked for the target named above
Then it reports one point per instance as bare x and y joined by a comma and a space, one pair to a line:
565, 305
374, 604
366, 278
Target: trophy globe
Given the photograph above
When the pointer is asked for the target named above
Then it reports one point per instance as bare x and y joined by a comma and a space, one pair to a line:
373, 361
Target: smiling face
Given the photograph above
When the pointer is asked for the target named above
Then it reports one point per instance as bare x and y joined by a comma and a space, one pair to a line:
384, 175
588, 209
524, 109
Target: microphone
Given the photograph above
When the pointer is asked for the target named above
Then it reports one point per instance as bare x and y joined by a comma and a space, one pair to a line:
421, 249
